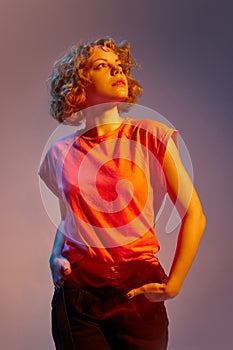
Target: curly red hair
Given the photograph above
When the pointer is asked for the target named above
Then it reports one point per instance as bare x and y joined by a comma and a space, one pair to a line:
69, 78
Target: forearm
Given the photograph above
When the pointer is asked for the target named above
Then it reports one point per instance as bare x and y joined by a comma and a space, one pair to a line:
58, 242
190, 234
60, 266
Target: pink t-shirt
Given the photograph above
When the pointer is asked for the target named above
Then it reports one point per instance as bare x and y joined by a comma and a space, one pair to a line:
112, 186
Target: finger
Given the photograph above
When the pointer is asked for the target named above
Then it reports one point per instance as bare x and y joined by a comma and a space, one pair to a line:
66, 268
58, 282
150, 288
67, 271
131, 294
56, 285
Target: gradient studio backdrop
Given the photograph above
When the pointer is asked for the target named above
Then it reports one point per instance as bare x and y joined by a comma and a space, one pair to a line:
185, 49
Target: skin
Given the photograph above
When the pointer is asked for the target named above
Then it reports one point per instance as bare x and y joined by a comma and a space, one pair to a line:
105, 70
109, 83
184, 196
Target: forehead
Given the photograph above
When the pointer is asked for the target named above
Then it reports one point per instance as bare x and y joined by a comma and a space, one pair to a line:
103, 53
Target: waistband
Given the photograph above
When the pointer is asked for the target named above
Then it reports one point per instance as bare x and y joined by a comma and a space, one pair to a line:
112, 271
96, 274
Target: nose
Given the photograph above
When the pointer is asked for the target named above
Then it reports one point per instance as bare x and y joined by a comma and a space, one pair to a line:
116, 70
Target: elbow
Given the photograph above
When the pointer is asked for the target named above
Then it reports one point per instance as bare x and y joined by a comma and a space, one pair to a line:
203, 221
198, 218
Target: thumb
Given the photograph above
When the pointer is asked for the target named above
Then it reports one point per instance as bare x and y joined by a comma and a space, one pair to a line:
66, 268
134, 292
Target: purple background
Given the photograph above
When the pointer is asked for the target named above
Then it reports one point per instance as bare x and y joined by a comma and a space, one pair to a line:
185, 49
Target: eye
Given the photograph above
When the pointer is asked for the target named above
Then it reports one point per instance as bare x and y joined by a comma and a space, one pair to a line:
100, 65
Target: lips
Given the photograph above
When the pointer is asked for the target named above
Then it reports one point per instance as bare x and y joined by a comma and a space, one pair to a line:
119, 82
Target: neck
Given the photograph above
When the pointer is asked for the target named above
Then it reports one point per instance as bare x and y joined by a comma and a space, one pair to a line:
102, 119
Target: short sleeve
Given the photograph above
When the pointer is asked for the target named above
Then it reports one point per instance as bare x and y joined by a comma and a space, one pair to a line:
48, 171
156, 135
158, 145
164, 134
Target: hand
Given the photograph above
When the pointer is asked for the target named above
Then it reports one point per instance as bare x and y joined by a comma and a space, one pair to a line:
154, 292
60, 268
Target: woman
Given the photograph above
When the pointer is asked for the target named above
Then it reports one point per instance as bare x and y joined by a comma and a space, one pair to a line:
110, 179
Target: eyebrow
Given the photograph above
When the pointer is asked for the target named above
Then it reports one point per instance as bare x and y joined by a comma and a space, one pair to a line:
104, 59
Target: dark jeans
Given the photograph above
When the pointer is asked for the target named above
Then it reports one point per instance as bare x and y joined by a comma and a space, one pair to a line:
103, 318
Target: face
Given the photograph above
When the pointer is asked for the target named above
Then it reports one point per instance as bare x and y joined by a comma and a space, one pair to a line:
108, 82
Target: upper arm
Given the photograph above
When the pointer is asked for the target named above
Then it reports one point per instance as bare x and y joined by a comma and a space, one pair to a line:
62, 209
179, 185
48, 171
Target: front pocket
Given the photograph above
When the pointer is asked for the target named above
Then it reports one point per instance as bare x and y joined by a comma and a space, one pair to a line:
145, 309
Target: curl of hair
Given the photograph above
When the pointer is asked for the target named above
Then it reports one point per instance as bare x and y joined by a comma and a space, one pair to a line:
69, 78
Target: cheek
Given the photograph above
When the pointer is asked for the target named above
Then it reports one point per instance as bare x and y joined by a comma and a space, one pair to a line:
100, 81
